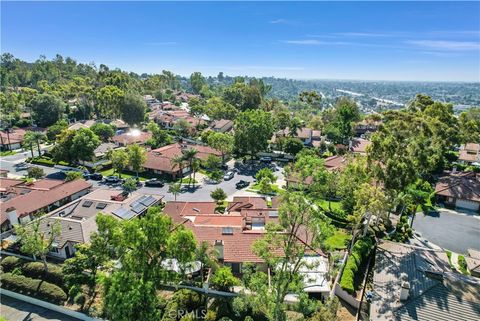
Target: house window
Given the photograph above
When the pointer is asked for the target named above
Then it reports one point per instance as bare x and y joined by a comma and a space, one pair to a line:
54, 250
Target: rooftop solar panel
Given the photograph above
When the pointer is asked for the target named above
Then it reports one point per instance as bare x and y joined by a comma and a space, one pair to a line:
149, 200
139, 208
123, 213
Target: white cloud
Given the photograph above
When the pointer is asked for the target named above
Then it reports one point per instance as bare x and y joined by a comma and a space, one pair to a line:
445, 45
280, 21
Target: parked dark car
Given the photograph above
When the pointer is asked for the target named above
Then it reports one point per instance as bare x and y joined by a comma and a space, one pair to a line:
154, 182
96, 176
242, 184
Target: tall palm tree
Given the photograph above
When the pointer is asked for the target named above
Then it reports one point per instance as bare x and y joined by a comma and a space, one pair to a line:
175, 189
190, 155
178, 160
35, 137
195, 167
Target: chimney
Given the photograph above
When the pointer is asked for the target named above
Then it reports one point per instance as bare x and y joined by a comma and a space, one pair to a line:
12, 216
219, 248
404, 291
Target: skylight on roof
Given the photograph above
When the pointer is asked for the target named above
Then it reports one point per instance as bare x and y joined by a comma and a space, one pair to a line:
227, 230
87, 203
101, 206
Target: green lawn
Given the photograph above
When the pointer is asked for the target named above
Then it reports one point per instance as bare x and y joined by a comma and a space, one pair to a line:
7, 153
186, 180
338, 241
334, 205
256, 188
126, 174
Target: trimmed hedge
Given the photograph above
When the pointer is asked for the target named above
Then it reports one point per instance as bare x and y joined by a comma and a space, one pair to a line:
360, 251
43, 161
36, 288
36, 270
10, 263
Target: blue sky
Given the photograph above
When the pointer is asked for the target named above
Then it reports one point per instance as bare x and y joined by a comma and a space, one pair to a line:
309, 40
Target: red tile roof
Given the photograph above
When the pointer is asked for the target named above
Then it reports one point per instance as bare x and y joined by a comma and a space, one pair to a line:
40, 198
161, 158
178, 209
335, 162
359, 145
128, 138
241, 202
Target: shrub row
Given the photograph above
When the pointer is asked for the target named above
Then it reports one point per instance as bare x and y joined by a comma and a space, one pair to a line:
36, 270
43, 161
36, 288
10, 263
360, 251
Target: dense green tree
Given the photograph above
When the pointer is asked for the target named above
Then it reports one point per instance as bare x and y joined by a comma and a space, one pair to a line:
132, 109
216, 108
35, 172
223, 279
55, 130
47, 109
137, 156
103, 131
197, 81
73, 175
75, 145
36, 242
253, 130
281, 249
469, 125
108, 101
119, 159
347, 113
218, 194
242, 96
222, 142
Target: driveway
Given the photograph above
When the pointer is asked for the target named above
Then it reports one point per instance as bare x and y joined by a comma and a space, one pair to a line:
16, 310
449, 229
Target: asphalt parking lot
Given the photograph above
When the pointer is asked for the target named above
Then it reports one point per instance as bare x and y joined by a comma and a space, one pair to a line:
449, 229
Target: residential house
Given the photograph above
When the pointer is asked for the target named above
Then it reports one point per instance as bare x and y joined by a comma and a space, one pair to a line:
460, 190
469, 153
233, 234
159, 160
473, 262
100, 155
366, 126
308, 136
12, 139
21, 201
85, 124
222, 126
134, 136
415, 283
335, 163
359, 146
77, 219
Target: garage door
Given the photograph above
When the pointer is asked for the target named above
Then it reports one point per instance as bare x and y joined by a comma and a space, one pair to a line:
468, 205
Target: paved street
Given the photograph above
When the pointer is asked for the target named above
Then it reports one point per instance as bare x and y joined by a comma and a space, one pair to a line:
15, 310
453, 231
201, 192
